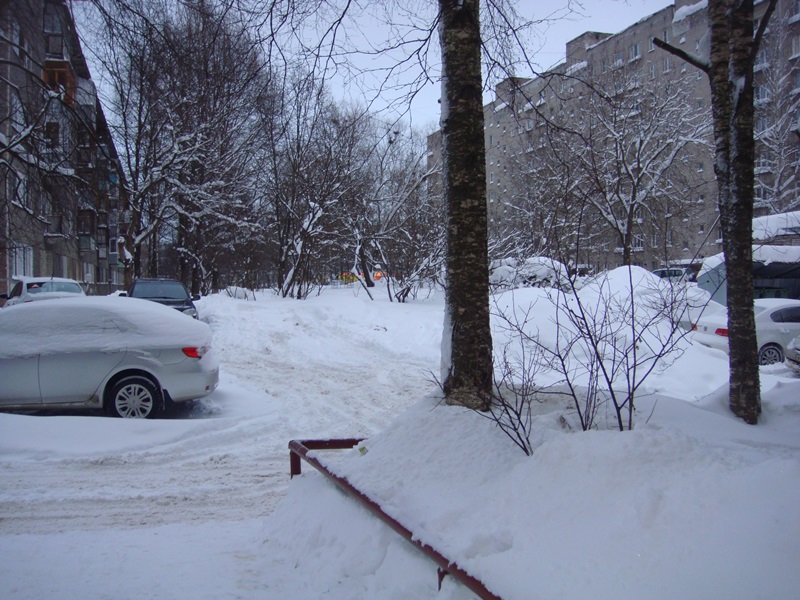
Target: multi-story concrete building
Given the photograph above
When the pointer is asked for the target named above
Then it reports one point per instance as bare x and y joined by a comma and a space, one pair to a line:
59, 169
608, 157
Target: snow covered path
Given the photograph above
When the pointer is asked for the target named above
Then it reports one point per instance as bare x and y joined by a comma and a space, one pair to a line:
226, 459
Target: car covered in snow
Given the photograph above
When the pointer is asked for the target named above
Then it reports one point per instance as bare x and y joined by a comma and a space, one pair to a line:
28, 289
130, 357
536, 271
777, 324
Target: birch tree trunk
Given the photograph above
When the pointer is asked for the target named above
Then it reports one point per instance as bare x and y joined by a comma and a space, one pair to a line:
466, 338
731, 74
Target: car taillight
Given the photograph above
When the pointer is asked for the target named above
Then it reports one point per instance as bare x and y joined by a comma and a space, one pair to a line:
722, 331
193, 352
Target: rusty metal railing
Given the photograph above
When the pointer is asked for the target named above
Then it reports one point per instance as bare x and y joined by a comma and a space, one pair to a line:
299, 449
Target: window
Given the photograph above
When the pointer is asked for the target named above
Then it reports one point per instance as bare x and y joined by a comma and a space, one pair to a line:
666, 35
52, 134
762, 58
654, 240
667, 65
542, 96
795, 45
638, 242
16, 111
701, 199
14, 36
491, 177
761, 93
701, 229
21, 260
54, 44
618, 58
701, 166
17, 189
635, 53
653, 71
651, 45
638, 213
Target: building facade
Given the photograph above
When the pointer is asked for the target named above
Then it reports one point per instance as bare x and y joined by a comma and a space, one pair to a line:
608, 158
60, 176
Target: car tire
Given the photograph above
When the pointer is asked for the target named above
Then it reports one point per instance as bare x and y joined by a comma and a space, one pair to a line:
134, 397
770, 355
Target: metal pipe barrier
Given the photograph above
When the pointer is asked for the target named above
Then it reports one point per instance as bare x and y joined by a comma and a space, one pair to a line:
299, 449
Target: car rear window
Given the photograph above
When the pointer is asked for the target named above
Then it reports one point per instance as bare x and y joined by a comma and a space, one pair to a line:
171, 290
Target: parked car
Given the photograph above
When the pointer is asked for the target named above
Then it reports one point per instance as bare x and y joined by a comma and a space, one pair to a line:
169, 292
793, 354
28, 289
777, 323
677, 274
128, 356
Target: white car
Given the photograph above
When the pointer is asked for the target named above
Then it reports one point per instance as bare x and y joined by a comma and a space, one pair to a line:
777, 324
130, 357
28, 289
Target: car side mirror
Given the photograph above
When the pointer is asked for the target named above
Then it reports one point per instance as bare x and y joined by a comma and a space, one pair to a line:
196, 297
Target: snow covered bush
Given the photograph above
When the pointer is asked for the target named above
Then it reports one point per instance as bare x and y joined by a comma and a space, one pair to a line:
596, 345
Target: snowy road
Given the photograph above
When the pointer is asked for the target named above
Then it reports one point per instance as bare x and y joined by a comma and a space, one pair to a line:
226, 459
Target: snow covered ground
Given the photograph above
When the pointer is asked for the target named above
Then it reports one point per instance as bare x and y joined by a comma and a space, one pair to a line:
692, 504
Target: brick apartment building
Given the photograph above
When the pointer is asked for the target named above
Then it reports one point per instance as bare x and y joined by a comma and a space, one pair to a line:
610, 153
59, 171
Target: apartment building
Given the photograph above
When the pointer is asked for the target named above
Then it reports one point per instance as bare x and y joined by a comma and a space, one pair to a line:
60, 173
608, 157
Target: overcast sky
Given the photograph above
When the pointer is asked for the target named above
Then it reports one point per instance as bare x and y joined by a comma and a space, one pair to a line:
610, 16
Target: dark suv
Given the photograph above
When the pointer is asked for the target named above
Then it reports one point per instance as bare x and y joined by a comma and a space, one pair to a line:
169, 292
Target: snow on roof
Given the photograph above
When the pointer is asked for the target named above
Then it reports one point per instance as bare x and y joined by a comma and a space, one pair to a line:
686, 11
761, 253
771, 226
577, 67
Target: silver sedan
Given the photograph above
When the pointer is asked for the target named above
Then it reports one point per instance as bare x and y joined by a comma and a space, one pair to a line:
128, 356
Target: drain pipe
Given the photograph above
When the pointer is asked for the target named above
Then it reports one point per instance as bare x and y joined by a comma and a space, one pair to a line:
299, 449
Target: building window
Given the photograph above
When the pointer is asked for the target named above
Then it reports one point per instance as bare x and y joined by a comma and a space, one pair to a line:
618, 58
701, 166
491, 177
52, 134
651, 45
701, 229
654, 240
21, 260
666, 35
635, 53
667, 65
653, 71
16, 112
761, 93
795, 46
17, 189
638, 242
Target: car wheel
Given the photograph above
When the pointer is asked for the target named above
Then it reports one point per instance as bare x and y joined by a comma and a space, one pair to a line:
770, 354
134, 397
